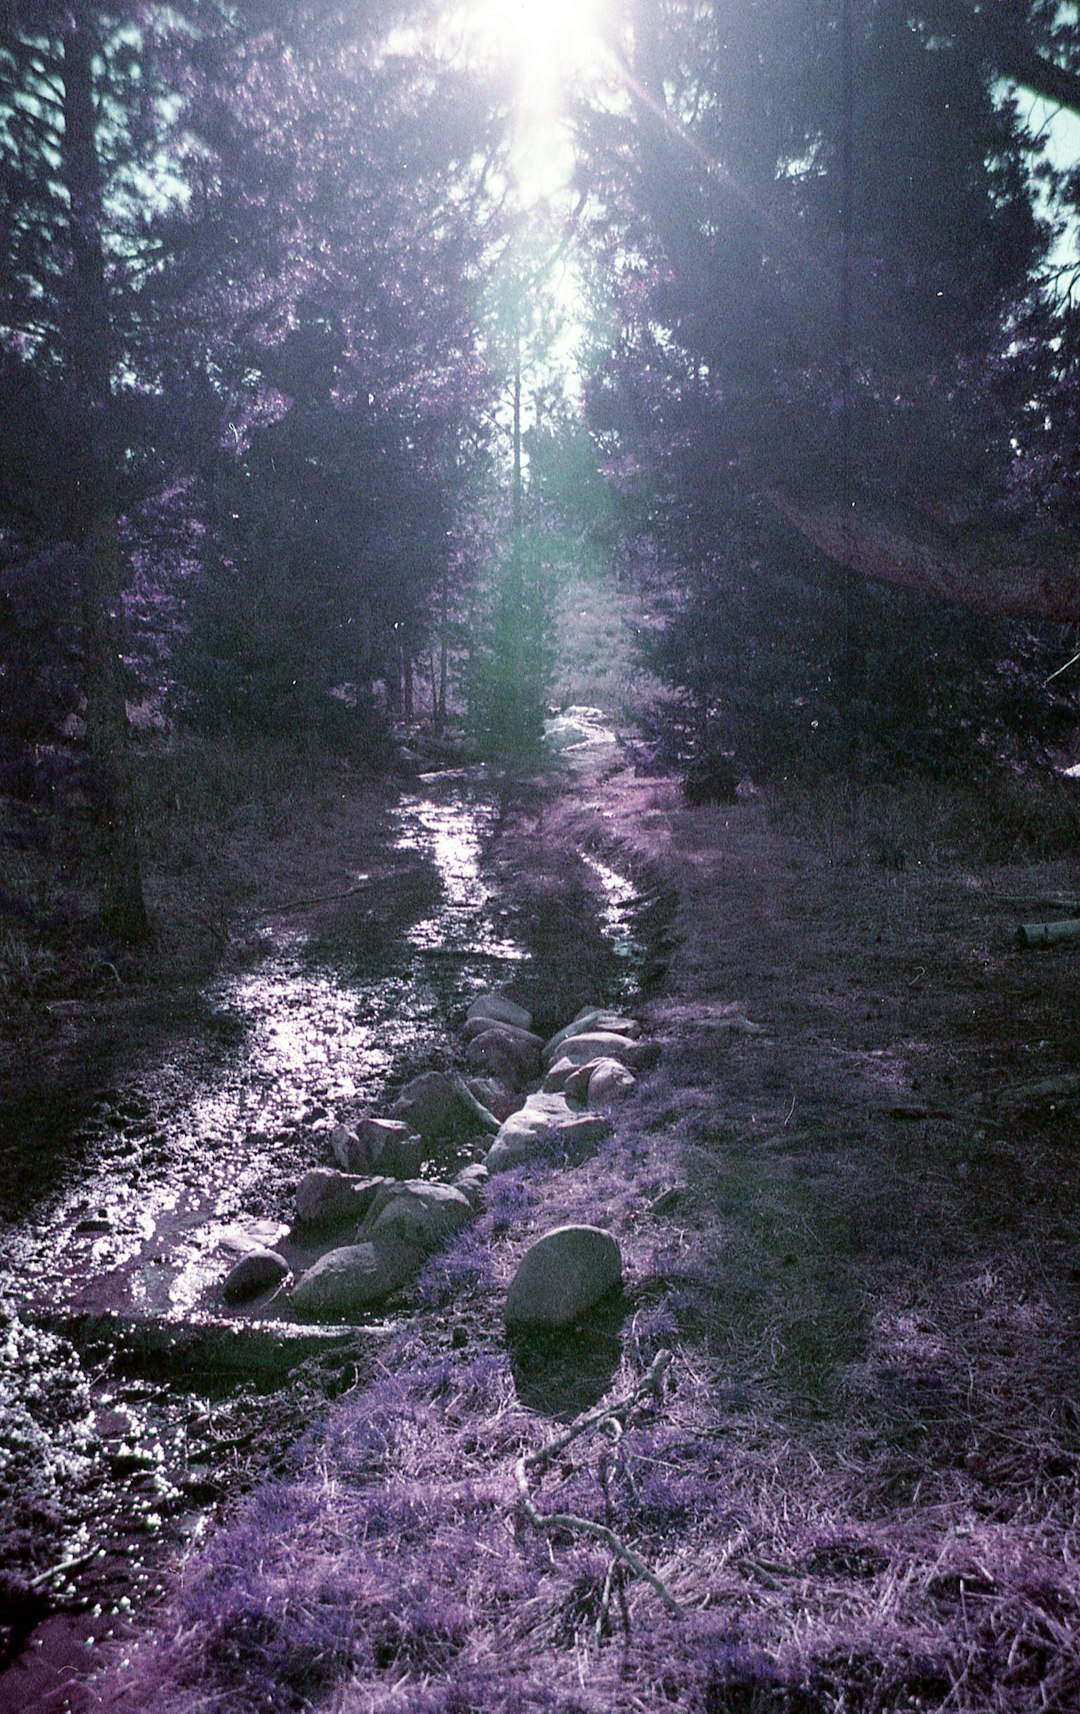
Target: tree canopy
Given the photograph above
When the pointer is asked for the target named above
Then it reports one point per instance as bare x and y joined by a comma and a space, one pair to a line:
821, 266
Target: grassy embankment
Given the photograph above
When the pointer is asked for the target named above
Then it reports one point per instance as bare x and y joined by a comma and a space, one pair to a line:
855, 1228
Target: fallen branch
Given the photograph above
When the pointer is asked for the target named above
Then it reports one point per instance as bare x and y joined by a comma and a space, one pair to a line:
319, 899
532, 1463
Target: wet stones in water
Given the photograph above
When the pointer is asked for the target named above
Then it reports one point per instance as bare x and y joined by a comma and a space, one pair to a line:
563, 1276
512, 1056
500, 1010
419, 1213
257, 1272
328, 1198
430, 1105
347, 1281
600, 1083
546, 1124
387, 1146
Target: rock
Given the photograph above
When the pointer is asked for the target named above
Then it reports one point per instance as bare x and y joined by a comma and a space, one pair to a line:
476, 1026
605, 1044
562, 1276
500, 1010
513, 1056
495, 1096
419, 1213
545, 1122
588, 1021
346, 1281
576, 1080
256, 1272
609, 1082
555, 1081
432, 1106
471, 1181
387, 1146
325, 1197
343, 1143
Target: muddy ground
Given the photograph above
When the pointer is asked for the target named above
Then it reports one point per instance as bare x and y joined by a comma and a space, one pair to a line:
848, 1198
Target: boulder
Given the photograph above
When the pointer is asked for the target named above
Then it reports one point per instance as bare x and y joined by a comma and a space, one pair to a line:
589, 1021
476, 1027
258, 1271
500, 1010
432, 1106
386, 1146
609, 1082
471, 1181
495, 1096
604, 1044
513, 1056
545, 1123
561, 1276
418, 1213
555, 1081
344, 1282
327, 1198
598, 1083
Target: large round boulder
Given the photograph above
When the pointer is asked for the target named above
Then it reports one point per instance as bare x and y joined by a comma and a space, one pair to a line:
562, 1276
348, 1280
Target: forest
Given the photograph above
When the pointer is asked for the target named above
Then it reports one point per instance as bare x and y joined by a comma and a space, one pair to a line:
509, 511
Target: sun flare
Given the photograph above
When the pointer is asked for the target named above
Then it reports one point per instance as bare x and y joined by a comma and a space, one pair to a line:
546, 47
547, 42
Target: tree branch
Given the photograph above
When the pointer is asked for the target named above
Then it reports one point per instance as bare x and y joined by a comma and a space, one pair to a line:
536, 1462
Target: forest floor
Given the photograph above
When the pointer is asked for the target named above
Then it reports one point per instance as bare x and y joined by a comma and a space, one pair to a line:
847, 1205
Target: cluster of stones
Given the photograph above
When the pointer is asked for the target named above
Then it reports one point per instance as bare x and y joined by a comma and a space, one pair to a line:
529, 1100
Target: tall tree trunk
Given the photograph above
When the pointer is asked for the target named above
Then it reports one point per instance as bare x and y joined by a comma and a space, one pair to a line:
444, 646
87, 335
407, 698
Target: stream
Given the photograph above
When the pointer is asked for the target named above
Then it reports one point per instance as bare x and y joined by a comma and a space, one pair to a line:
131, 1406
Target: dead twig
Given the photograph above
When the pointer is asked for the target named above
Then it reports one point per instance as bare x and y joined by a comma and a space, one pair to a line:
319, 899
536, 1462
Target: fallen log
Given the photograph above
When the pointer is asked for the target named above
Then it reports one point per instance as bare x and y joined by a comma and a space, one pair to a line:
1042, 1092
1049, 933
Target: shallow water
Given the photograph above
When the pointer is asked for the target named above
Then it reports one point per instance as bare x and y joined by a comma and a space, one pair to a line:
110, 1438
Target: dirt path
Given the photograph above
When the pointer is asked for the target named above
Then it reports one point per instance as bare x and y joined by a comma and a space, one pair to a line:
856, 1233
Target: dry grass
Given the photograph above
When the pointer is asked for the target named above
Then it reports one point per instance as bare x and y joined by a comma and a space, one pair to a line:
861, 1483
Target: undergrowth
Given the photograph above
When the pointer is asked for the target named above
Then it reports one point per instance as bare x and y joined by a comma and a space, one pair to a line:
861, 1483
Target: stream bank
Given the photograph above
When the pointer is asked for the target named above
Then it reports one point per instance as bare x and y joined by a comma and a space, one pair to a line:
133, 1407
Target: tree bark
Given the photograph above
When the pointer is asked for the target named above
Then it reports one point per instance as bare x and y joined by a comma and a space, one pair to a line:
87, 333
